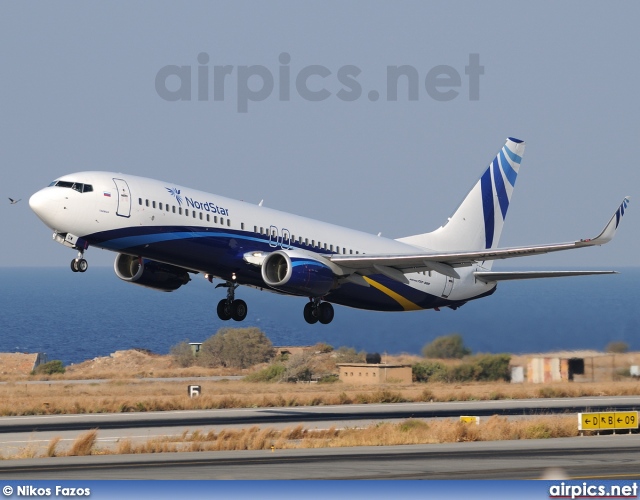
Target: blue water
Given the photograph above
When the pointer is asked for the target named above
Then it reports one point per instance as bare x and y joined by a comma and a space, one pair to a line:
74, 317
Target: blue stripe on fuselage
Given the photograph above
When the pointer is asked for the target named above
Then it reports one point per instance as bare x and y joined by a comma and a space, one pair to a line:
220, 253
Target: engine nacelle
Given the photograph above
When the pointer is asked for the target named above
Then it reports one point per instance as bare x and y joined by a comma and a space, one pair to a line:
297, 273
149, 273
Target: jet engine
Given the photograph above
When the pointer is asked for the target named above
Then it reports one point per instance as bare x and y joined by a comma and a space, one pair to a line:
149, 273
297, 273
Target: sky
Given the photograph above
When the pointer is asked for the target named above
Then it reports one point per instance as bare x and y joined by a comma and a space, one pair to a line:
308, 122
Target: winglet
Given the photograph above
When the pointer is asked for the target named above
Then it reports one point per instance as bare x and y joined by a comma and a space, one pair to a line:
609, 231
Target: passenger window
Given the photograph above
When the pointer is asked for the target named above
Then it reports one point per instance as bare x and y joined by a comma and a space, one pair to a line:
139, 201
229, 222
180, 210
146, 202
173, 208
242, 225
200, 215
222, 221
186, 212
208, 217
160, 205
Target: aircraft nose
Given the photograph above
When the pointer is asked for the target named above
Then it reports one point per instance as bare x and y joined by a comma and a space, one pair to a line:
37, 202
43, 205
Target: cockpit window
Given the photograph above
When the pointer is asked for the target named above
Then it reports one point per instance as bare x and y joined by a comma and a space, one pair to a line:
64, 184
77, 186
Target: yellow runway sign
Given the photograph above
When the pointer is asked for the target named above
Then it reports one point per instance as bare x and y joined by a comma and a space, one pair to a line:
608, 420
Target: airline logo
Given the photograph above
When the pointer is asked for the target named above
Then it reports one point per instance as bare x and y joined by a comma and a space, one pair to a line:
620, 211
176, 194
499, 178
206, 206
190, 202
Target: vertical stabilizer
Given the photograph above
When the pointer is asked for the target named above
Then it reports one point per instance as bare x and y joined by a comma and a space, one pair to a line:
478, 221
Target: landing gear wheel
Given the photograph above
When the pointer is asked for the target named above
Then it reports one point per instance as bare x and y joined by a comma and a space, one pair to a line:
82, 265
74, 266
224, 310
238, 310
230, 307
310, 313
325, 313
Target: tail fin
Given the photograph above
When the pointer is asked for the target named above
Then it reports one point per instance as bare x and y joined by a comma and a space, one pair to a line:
478, 221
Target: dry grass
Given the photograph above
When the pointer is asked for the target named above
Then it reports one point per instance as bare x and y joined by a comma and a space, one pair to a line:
51, 448
138, 396
83, 445
411, 431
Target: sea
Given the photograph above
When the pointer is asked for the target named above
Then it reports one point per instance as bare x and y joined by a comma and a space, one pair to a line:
78, 316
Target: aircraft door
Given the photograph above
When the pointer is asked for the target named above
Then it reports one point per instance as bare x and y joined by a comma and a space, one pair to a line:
448, 286
124, 198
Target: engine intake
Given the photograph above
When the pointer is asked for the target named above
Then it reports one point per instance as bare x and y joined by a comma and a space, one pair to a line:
296, 273
149, 273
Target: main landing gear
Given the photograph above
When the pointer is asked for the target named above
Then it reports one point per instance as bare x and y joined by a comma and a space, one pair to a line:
79, 264
231, 308
316, 310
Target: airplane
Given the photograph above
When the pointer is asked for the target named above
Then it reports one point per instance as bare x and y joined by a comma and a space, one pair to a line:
163, 232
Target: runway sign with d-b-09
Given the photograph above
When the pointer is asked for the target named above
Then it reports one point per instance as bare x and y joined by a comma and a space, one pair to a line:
608, 420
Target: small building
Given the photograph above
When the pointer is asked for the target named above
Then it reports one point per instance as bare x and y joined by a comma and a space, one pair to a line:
517, 374
375, 373
19, 363
195, 347
564, 366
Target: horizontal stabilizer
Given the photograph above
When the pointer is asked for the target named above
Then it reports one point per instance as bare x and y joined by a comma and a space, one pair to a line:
527, 275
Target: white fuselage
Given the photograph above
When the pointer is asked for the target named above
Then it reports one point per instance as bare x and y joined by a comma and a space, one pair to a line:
207, 233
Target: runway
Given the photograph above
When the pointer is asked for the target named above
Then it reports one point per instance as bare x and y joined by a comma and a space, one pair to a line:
601, 457
307, 414
598, 457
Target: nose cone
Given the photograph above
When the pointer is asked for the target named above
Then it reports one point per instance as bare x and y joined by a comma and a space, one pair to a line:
45, 206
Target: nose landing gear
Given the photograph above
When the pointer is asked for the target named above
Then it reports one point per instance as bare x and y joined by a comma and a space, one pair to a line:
316, 310
79, 264
230, 308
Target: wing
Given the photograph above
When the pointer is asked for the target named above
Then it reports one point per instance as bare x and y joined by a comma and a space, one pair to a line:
395, 265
